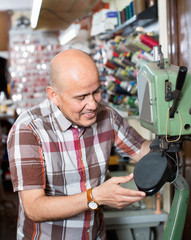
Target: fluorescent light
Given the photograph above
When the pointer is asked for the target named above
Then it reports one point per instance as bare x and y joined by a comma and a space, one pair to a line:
35, 12
70, 33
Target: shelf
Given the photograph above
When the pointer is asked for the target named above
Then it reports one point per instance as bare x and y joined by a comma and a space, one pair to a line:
143, 19
127, 106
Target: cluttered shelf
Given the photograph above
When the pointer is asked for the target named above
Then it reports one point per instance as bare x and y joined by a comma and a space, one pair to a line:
119, 60
142, 19
120, 53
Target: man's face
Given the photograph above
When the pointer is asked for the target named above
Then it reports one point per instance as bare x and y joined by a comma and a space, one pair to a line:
79, 100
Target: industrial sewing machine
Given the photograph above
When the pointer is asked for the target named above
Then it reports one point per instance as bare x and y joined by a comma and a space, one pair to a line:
164, 93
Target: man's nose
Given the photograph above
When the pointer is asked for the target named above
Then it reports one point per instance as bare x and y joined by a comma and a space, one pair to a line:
91, 102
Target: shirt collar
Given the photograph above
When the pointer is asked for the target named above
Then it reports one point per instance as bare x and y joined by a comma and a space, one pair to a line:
62, 122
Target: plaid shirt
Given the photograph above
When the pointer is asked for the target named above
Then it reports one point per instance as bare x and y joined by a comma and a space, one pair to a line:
47, 151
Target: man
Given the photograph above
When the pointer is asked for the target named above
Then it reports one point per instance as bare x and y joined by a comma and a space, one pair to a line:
59, 154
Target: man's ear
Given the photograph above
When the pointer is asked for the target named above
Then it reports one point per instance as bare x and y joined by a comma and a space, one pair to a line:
53, 95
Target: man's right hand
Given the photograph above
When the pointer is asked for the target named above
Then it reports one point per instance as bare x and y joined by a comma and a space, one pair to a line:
112, 194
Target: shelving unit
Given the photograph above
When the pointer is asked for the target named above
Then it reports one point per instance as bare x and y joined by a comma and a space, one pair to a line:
143, 19
119, 71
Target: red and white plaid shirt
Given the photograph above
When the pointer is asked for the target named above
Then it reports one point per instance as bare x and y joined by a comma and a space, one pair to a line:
46, 151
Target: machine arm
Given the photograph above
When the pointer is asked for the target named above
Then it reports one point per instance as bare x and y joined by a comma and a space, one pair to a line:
176, 219
179, 84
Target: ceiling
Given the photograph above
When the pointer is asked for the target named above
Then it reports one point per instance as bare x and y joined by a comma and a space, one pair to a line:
54, 14
59, 14
15, 4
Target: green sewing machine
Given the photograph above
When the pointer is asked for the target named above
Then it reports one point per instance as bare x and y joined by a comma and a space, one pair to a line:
164, 93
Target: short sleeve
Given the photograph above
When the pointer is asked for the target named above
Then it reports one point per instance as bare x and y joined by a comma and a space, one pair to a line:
127, 141
25, 159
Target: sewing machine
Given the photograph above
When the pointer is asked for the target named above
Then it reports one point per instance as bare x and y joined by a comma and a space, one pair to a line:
165, 109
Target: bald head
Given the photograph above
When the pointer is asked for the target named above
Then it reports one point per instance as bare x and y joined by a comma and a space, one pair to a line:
76, 87
70, 65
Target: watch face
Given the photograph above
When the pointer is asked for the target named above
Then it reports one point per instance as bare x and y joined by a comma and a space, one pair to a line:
92, 205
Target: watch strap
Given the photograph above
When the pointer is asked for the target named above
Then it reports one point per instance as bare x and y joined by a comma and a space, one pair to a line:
90, 196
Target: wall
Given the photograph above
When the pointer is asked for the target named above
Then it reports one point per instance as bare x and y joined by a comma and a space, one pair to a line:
4, 26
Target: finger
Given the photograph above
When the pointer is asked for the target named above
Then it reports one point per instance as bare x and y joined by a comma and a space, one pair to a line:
130, 200
131, 192
126, 200
133, 198
123, 179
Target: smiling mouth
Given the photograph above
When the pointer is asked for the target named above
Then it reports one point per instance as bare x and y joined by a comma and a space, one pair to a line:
90, 114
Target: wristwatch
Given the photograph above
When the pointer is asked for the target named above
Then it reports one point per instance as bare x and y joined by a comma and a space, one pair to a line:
92, 204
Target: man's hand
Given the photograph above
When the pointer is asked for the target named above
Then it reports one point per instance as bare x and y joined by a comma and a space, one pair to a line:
112, 194
40, 207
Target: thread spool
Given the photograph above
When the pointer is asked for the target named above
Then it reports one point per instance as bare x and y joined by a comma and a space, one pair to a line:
128, 62
149, 41
110, 65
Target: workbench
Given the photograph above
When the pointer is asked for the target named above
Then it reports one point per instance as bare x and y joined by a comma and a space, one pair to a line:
135, 222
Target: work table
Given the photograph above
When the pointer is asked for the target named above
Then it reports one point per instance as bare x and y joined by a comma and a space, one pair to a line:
136, 222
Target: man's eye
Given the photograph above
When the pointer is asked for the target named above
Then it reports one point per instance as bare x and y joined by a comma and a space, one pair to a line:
81, 98
97, 91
